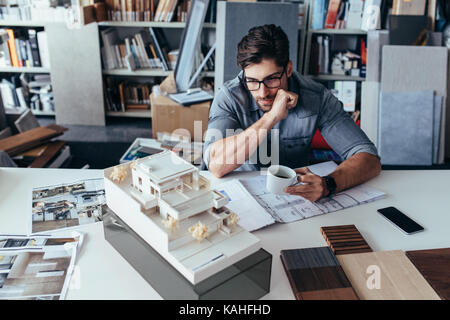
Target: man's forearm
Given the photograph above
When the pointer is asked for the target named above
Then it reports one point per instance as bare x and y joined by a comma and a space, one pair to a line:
355, 170
231, 152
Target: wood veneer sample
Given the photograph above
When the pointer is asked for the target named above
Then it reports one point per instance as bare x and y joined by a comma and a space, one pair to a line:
330, 294
34, 152
315, 273
398, 278
49, 153
434, 265
26, 140
310, 279
345, 239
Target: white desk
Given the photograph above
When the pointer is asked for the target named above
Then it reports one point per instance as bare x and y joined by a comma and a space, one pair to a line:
104, 274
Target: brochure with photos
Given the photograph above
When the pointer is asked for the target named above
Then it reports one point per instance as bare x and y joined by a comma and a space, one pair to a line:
37, 267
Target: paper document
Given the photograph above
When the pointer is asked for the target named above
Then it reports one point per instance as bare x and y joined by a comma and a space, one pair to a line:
37, 267
288, 208
324, 168
251, 215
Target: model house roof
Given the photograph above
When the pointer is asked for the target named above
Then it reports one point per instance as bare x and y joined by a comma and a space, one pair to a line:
165, 166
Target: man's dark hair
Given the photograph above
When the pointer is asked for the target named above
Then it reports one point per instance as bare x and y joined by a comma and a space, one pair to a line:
263, 42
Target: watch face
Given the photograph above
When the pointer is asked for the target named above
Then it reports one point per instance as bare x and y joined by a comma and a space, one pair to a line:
331, 184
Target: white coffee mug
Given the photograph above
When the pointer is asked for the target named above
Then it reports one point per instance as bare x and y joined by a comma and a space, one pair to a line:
280, 177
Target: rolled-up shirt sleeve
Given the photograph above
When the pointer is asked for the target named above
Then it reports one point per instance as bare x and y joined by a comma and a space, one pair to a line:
340, 131
221, 118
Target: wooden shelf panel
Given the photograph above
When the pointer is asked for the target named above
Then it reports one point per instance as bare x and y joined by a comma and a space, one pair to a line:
25, 69
140, 24
130, 114
340, 31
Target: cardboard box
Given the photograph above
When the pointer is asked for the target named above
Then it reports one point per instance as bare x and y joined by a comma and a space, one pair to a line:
168, 116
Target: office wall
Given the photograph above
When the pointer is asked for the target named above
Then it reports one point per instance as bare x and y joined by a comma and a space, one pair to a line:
76, 73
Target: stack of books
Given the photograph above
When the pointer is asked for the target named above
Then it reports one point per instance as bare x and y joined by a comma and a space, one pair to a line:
27, 91
141, 51
154, 10
127, 95
346, 14
23, 48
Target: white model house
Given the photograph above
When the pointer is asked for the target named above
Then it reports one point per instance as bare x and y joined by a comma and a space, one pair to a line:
166, 201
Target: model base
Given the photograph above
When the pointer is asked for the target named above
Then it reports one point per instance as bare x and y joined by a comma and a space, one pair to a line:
248, 279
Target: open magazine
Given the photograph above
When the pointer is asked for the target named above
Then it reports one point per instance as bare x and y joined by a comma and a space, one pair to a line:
37, 267
257, 207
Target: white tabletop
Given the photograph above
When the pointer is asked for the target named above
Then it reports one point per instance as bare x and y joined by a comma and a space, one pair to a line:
102, 273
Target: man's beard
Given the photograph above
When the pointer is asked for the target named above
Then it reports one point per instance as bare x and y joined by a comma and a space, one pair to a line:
265, 105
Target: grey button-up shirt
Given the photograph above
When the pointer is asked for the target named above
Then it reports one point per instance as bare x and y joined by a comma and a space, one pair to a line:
235, 108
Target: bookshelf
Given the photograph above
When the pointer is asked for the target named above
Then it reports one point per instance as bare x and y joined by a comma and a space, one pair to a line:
6, 71
172, 31
343, 32
313, 33
343, 39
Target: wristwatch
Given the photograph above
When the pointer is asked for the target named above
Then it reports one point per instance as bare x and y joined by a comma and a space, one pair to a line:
331, 185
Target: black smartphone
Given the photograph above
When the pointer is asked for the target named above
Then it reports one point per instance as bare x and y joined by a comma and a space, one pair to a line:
398, 218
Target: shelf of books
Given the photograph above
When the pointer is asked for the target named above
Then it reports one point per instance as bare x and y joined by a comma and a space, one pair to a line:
161, 11
25, 71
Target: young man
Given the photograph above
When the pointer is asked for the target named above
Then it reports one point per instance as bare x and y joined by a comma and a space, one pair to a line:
268, 97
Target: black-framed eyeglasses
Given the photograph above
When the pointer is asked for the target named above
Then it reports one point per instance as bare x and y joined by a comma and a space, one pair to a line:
270, 82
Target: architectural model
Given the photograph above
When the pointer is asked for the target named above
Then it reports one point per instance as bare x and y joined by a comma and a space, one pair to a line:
166, 201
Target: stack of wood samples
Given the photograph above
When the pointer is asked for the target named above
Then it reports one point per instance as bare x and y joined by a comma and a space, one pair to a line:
434, 265
315, 274
24, 141
345, 239
385, 275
